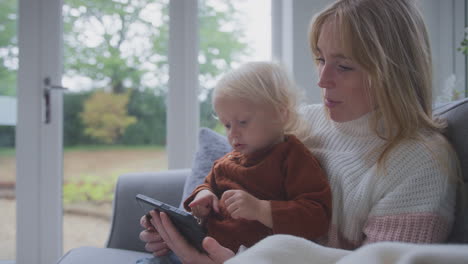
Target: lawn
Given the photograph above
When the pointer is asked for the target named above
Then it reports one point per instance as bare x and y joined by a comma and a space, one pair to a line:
93, 170
90, 174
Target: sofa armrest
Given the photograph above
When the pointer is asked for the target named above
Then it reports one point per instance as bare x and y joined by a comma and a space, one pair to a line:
166, 186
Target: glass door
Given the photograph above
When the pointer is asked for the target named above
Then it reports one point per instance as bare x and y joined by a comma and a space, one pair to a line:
116, 68
8, 76
38, 132
231, 33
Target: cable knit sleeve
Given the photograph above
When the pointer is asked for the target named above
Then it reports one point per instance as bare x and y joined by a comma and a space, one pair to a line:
417, 197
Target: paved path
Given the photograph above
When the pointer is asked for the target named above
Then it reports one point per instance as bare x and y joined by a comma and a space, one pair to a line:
77, 230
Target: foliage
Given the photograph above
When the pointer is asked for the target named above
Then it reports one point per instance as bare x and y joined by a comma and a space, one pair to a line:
8, 47
150, 111
88, 188
105, 116
7, 136
452, 90
207, 117
219, 47
98, 34
120, 44
464, 44
457, 94
73, 127
148, 108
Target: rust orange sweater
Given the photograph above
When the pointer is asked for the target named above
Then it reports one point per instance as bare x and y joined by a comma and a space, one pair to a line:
288, 176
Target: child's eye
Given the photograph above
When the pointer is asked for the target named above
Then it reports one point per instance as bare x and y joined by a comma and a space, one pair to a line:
243, 122
227, 125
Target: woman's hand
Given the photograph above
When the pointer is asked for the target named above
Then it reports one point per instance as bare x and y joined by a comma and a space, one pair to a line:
241, 204
203, 202
154, 242
217, 254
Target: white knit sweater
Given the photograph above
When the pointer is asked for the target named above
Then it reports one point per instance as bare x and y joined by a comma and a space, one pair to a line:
413, 202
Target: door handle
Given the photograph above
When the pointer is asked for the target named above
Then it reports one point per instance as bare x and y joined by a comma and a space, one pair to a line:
47, 90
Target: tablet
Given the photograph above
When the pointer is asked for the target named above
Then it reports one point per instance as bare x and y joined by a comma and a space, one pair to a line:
186, 224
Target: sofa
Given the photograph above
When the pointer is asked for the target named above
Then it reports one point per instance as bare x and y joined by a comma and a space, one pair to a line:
124, 245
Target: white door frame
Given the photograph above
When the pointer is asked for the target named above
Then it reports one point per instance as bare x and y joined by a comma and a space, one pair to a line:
183, 106
39, 145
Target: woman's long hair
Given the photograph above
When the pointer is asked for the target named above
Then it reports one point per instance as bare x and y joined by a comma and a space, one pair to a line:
388, 38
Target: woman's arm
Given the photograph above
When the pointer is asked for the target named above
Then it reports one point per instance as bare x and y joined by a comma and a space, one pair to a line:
418, 203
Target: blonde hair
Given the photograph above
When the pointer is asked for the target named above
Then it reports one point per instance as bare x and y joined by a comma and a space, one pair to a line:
388, 38
268, 84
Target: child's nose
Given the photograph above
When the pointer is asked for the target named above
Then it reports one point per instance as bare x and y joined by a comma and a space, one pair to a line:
235, 133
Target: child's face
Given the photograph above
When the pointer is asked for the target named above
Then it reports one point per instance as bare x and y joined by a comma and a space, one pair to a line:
249, 127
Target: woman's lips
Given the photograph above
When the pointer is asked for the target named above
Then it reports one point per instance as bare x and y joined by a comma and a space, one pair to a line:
330, 103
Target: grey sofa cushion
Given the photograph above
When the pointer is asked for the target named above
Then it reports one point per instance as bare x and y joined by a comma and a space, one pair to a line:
85, 255
165, 186
456, 114
211, 146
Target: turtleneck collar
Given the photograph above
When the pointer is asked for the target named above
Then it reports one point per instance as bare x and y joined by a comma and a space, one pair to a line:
358, 127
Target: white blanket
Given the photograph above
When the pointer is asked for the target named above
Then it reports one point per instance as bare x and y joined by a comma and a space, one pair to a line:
286, 249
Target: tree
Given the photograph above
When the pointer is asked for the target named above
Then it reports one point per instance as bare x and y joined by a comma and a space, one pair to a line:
150, 110
123, 44
105, 116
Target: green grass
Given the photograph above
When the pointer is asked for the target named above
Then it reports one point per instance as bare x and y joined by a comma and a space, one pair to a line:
113, 147
89, 188
7, 152
91, 171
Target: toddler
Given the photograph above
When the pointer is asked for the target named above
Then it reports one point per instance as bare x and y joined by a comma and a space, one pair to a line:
269, 183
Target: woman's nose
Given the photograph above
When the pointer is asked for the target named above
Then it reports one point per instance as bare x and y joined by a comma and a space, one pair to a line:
326, 77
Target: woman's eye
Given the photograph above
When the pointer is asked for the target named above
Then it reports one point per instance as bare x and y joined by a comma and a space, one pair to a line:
320, 60
227, 125
345, 68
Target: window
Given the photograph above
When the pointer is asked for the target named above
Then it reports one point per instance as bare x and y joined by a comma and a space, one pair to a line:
231, 33
446, 25
116, 69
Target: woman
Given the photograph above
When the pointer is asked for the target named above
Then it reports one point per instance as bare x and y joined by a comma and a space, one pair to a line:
392, 173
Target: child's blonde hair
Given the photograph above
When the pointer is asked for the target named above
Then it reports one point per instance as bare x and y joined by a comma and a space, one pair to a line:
265, 83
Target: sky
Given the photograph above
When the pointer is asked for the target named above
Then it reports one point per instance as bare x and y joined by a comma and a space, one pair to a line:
259, 33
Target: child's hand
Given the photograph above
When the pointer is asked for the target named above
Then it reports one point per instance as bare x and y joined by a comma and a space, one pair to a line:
241, 204
204, 201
